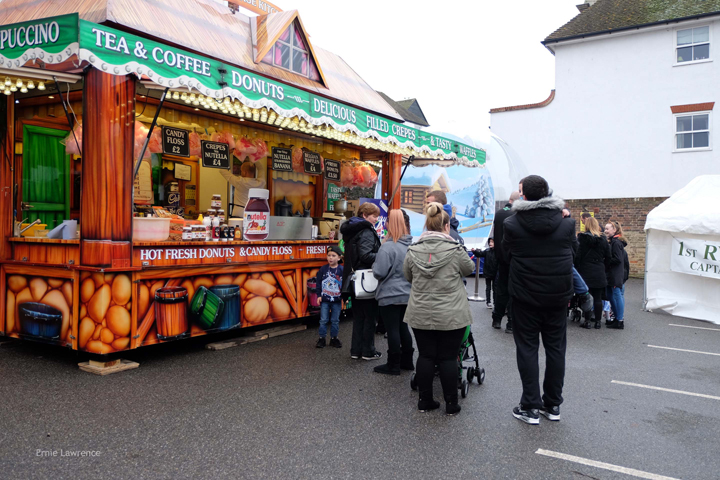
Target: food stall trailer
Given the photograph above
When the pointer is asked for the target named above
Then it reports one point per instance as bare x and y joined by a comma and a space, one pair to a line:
115, 144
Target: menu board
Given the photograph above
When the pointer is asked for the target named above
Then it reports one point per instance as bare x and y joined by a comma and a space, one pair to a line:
334, 192
176, 141
215, 154
282, 159
313, 166
332, 170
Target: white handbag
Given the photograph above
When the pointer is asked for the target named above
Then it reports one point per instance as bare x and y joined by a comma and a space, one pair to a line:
365, 284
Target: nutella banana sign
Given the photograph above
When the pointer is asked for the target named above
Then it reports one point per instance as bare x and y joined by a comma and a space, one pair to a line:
695, 257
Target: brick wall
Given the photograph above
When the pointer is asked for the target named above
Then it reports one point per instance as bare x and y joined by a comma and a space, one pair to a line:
631, 213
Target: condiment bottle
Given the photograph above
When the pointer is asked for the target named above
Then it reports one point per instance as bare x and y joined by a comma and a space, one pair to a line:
256, 221
216, 229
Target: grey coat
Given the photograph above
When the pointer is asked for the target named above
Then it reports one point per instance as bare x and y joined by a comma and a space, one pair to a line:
393, 288
435, 266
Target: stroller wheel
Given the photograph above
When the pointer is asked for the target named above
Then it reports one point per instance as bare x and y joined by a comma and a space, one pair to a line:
413, 382
470, 374
464, 387
576, 315
481, 376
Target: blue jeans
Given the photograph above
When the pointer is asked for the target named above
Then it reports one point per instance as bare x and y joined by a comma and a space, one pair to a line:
579, 284
617, 301
330, 312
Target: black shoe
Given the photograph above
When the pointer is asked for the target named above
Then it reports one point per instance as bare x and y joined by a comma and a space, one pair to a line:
452, 409
388, 369
551, 413
585, 324
508, 328
320, 343
427, 406
597, 325
335, 342
530, 416
496, 325
374, 356
406, 360
616, 325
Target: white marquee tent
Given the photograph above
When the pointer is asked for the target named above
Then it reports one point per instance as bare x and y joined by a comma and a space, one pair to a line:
682, 260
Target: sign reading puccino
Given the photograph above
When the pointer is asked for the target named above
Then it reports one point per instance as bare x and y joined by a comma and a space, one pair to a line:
695, 257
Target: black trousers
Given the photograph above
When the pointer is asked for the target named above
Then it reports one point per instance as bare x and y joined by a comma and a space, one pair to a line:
597, 294
363, 332
528, 324
438, 347
489, 289
399, 338
502, 295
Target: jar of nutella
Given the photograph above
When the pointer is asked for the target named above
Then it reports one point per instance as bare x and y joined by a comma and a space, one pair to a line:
256, 221
187, 234
199, 233
216, 201
221, 215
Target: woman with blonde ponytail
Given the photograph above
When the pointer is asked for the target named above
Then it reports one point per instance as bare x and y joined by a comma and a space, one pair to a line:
438, 309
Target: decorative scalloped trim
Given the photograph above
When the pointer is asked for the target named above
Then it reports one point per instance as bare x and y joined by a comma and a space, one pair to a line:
39, 54
184, 81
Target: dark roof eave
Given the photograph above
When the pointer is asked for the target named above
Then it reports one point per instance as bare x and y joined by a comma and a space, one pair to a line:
631, 27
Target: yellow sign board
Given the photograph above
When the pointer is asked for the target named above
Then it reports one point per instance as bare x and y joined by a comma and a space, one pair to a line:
257, 6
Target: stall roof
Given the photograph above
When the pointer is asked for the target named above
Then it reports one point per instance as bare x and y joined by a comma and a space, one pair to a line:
692, 209
208, 28
404, 107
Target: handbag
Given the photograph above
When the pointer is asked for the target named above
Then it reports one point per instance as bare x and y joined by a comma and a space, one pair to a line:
365, 284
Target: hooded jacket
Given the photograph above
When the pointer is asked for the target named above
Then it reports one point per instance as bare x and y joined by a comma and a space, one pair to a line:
361, 245
454, 224
393, 288
498, 231
435, 266
616, 266
592, 259
539, 242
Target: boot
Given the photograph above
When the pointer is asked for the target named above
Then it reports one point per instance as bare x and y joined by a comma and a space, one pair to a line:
586, 324
427, 402
392, 367
406, 360
451, 404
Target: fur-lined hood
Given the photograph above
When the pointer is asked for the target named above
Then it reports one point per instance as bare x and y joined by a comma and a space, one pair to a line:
540, 217
552, 203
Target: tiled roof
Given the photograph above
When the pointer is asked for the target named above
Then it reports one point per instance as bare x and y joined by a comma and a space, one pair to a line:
406, 113
528, 106
606, 16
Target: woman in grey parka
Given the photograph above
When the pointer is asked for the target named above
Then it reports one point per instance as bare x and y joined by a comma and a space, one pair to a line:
438, 309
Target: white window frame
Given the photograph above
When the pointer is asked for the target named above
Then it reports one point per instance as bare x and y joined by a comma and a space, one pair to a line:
292, 48
675, 132
676, 46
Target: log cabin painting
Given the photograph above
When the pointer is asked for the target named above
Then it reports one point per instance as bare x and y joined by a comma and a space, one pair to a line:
418, 184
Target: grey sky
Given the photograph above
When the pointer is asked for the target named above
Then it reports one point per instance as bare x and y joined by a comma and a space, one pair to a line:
459, 58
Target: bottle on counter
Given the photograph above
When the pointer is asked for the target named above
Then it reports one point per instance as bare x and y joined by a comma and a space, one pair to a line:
238, 233
256, 221
216, 229
207, 223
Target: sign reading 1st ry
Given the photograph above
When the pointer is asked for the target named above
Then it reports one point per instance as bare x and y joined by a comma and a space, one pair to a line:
176, 141
696, 257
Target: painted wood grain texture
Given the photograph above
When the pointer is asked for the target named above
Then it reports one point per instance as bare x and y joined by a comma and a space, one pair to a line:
108, 142
45, 240
51, 254
6, 181
396, 166
149, 319
106, 253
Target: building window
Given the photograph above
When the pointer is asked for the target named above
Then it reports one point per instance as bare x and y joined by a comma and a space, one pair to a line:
692, 44
291, 53
692, 131
407, 196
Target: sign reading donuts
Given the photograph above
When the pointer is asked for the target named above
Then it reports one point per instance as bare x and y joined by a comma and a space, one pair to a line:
226, 254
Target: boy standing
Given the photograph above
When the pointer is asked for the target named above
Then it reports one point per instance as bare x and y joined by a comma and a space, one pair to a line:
490, 269
328, 285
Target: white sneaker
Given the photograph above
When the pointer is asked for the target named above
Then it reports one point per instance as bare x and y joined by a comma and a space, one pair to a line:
489, 305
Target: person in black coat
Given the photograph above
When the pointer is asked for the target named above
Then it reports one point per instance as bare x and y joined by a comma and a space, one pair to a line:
490, 268
591, 260
616, 273
538, 241
502, 296
361, 245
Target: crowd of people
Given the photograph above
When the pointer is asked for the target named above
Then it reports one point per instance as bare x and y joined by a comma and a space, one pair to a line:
534, 265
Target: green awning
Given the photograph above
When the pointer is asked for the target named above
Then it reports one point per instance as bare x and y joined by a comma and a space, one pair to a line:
217, 86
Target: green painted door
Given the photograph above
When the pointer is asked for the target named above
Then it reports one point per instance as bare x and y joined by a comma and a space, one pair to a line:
46, 175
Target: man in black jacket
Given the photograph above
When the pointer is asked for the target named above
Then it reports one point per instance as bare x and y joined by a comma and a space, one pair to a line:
502, 297
538, 241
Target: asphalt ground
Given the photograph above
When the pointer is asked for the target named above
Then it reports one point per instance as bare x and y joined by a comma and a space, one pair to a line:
283, 409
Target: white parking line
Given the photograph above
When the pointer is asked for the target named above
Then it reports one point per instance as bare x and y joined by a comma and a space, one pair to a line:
699, 328
702, 395
684, 350
603, 465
